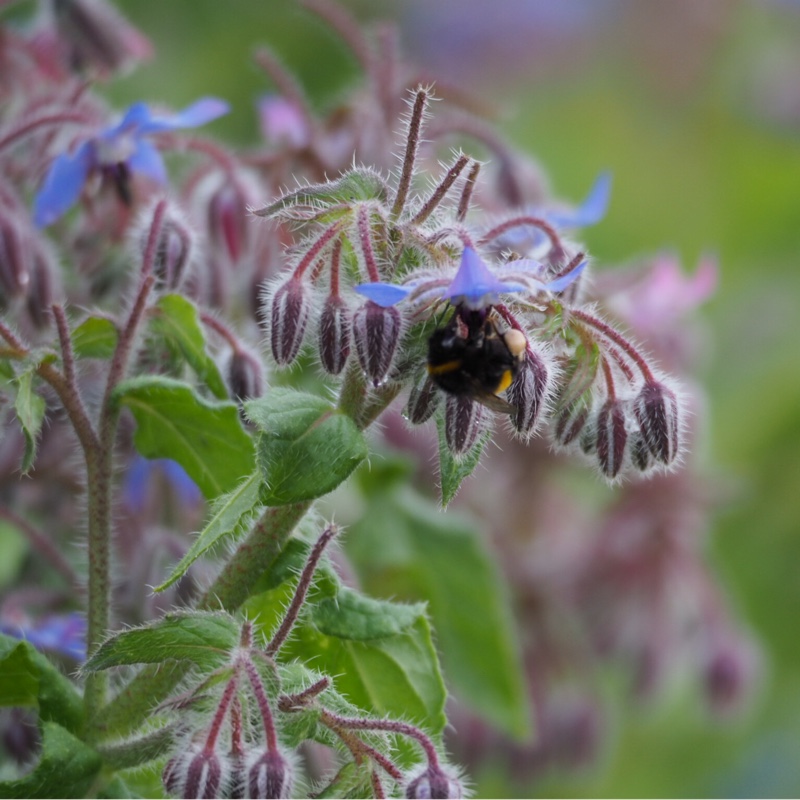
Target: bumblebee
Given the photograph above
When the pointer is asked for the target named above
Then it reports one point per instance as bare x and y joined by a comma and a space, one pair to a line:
471, 356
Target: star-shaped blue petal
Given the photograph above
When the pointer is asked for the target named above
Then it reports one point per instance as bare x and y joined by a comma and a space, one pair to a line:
590, 211
474, 285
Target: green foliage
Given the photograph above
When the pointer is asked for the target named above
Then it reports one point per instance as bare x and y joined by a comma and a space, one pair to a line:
28, 679
13, 548
206, 438
66, 768
30, 408
454, 469
202, 638
403, 547
95, 337
176, 321
229, 516
306, 447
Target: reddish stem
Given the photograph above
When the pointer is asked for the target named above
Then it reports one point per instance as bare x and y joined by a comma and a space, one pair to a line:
365, 238
315, 249
516, 222
219, 714
441, 190
263, 705
466, 192
412, 145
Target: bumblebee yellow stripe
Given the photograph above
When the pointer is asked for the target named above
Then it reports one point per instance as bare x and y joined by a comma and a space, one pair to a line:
448, 366
505, 382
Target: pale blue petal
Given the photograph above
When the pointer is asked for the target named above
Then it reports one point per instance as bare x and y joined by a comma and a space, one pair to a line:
63, 185
383, 294
199, 113
474, 281
559, 284
147, 161
590, 211
135, 118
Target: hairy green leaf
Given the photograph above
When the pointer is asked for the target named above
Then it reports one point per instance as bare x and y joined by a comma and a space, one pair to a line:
306, 447
404, 548
204, 638
230, 515
95, 337
176, 320
206, 438
67, 768
30, 408
27, 678
453, 470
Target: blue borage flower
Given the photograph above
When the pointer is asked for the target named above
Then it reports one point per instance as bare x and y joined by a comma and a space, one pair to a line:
56, 633
142, 472
124, 144
474, 284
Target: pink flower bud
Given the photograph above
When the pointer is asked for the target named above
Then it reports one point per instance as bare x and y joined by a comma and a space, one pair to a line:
528, 393
245, 376
269, 775
14, 261
423, 401
289, 312
434, 782
656, 410
334, 335
173, 250
227, 220
204, 774
571, 422
40, 288
376, 333
612, 437
465, 420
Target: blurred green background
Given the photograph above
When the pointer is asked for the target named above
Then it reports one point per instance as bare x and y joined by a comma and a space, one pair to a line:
695, 107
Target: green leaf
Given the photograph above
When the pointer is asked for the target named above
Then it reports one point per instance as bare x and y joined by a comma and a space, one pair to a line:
129, 753
176, 320
230, 516
204, 638
67, 768
352, 615
306, 448
206, 438
13, 549
95, 337
30, 409
27, 678
360, 183
404, 548
453, 470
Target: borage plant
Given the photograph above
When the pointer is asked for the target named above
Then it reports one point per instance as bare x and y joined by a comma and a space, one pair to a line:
378, 288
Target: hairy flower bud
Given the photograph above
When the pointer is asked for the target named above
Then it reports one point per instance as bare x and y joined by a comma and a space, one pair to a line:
612, 437
40, 288
423, 400
465, 420
227, 220
195, 773
269, 775
434, 782
334, 335
14, 261
640, 455
656, 410
376, 333
245, 375
528, 393
571, 421
173, 250
289, 311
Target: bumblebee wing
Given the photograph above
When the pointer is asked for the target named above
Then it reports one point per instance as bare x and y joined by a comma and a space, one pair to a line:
495, 403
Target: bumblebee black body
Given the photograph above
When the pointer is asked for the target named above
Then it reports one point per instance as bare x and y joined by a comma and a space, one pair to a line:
469, 356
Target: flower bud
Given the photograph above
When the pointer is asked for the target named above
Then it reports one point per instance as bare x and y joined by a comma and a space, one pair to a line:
334, 335
465, 420
656, 410
376, 332
173, 250
98, 37
289, 312
245, 376
640, 455
194, 773
423, 400
571, 422
728, 673
434, 782
612, 437
528, 392
269, 775
227, 220
40, 289
14, 262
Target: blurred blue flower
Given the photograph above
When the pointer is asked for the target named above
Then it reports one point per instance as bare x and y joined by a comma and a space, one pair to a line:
589, 212
125, 144
56, 633
142, 470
